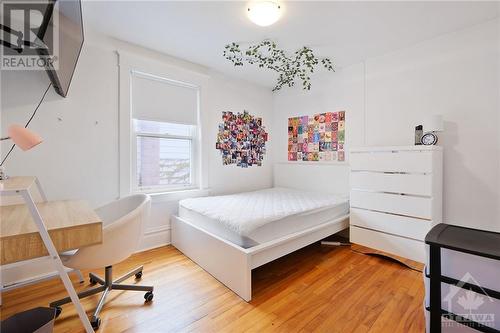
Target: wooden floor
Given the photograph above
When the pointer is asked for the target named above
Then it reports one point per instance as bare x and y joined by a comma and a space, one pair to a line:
316, 289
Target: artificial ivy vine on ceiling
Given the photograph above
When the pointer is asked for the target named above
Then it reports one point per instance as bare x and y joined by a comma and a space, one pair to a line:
266, 54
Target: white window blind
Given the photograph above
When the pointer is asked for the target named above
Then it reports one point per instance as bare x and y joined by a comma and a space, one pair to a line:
163, 100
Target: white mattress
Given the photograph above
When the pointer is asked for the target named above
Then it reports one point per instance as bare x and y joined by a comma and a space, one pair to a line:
251, 218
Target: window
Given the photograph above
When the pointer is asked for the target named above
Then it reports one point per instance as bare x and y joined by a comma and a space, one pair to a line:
165, 155
164, 141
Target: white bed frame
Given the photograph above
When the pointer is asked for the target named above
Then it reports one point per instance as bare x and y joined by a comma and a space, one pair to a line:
231, 264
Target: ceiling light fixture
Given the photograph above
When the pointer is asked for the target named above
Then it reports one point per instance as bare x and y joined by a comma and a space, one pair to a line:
264, 13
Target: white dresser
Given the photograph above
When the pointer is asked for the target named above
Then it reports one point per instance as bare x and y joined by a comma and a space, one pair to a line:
396, 197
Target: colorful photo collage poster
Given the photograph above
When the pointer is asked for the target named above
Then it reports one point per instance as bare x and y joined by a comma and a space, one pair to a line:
241, 139
317, 138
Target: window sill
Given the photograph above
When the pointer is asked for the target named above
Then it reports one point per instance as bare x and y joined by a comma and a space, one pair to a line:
175, 195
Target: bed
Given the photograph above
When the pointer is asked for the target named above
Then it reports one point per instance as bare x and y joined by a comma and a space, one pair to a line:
253, 218
230, 235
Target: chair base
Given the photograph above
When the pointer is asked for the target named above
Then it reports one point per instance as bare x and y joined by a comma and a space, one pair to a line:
106, 285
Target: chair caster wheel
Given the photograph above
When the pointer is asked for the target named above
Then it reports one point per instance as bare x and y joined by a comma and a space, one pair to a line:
95, 322
138, 275
58, 311
148, 296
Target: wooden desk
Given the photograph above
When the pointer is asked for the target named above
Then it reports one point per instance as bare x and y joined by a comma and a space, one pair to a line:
71, 225
46, 228
17, 183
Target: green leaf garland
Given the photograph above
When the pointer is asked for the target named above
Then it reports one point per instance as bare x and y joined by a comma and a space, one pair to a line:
266, 54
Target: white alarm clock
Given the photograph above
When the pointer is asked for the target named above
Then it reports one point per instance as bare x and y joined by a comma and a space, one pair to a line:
429, 139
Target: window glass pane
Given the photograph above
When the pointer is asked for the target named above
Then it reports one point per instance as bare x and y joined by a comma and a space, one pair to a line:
158, 127
163, 162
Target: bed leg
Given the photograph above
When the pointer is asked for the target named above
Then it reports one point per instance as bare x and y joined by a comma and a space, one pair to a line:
246, 293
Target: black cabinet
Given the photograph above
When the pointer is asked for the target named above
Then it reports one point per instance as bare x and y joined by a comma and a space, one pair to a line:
465, 240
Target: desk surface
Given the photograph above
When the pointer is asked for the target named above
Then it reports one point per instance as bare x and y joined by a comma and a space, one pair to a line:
71, 225
17, 183
16, 219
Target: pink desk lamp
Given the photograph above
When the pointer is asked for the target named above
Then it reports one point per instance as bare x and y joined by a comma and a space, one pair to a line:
21, 136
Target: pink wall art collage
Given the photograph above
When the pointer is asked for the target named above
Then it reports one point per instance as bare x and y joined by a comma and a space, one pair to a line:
320, 137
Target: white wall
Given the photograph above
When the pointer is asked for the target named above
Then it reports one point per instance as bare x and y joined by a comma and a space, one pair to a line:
456, 75
233, 95
79, 157
342, 90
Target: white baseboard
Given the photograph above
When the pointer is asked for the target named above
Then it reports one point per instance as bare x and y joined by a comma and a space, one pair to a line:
39, 268
154, 238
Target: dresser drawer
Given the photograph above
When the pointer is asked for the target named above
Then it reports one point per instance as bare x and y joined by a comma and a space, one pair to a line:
387, 161
403, 247
392, 203
417, 184
392, 224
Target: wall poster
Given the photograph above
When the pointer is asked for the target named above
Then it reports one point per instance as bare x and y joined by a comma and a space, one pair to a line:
320, 137
241, 139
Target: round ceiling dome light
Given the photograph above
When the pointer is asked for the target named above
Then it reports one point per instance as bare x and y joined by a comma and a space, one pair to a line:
264, 13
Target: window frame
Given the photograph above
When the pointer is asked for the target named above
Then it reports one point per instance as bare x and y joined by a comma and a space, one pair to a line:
129, 65
193, 165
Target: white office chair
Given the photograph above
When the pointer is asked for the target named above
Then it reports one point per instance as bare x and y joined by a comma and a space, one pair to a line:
122, 229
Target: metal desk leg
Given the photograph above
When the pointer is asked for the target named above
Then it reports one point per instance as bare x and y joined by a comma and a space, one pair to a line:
435, 288
37, 218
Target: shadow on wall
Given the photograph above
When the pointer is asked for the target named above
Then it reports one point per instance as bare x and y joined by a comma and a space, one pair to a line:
460, 185
18, 87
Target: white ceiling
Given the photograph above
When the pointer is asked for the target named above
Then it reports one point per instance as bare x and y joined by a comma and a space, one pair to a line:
348, 32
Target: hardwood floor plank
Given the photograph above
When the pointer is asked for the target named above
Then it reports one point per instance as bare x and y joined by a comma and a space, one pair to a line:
315, 289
